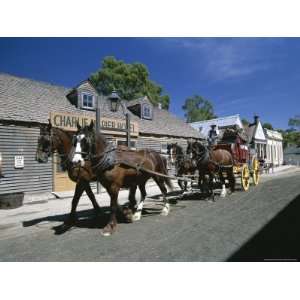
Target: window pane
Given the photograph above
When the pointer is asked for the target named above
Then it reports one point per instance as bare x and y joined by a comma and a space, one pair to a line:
87, 101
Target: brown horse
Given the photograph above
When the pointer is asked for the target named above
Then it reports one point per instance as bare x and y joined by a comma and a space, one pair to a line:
94, 157
183, 164
53, 139
211, 162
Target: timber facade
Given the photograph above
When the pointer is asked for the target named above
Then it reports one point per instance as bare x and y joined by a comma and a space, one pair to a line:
26, 104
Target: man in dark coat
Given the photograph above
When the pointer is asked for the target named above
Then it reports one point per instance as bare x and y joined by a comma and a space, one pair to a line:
212, 136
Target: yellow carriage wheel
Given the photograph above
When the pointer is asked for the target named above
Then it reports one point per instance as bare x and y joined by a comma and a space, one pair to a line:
255, 171
245, 177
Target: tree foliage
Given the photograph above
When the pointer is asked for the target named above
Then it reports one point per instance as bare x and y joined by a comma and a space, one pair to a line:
245, 122
291, 137
130, 80
268, 126
198, 109
295, 122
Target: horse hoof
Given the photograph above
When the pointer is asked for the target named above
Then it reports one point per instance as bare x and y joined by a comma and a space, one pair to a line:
165, 211
108, 230
127, 212
137, 216
106, 233
223, 194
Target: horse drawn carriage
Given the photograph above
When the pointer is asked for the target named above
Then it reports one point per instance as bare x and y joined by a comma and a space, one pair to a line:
246, 164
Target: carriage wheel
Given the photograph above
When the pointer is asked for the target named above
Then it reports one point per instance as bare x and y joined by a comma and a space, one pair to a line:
245, 178
255, 171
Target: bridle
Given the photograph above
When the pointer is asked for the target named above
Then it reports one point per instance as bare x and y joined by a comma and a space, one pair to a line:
92, 157
50, 136
199, 155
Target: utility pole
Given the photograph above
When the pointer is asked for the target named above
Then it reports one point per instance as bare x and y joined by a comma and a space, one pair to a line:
98, 130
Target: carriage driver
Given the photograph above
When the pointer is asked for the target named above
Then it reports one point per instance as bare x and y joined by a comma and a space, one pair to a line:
212, 136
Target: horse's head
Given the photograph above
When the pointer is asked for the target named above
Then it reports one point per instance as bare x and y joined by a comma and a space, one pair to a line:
83, 144
172, 152
44, 144
189, 148
195, 149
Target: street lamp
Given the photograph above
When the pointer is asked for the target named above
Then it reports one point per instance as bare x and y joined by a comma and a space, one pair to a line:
114, 101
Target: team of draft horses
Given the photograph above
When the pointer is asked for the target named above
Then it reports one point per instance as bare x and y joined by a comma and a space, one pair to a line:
88, 156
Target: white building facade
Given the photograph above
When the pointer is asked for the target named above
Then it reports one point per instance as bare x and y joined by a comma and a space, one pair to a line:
221, 123
274, 151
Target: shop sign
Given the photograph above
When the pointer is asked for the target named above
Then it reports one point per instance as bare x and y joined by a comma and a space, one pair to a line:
69, 122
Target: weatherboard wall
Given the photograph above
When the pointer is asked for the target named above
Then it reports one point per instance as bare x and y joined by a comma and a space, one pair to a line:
34, 177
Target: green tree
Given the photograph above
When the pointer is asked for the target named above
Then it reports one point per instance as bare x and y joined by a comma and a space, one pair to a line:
291, 138
295, 122
267, 126
245, 122
198, 109
130, 80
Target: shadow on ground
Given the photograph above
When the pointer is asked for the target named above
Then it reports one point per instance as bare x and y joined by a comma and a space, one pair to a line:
88, 219
85, 219
279, 240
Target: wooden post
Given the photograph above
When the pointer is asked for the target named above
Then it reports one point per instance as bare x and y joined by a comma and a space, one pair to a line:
128, 129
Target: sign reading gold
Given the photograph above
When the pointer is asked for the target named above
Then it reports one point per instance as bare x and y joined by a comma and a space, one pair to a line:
69, 122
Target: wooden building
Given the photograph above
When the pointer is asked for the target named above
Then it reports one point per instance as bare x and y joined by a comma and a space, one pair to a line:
25, 104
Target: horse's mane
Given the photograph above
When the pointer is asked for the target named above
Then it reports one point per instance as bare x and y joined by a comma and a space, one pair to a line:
56, 129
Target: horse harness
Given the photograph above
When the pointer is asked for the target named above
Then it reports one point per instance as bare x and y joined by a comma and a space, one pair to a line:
205, 159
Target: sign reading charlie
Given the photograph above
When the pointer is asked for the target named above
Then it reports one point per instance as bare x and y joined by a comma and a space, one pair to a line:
69, 122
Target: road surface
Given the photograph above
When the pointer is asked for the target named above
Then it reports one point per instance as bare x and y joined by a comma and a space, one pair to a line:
261, 224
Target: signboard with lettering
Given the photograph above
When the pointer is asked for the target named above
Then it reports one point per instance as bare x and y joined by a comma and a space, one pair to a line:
19, 161
69, 122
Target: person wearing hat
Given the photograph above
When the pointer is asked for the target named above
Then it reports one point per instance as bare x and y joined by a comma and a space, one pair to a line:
212, 136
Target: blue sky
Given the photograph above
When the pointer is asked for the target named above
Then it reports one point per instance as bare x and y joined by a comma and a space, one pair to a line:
239, 75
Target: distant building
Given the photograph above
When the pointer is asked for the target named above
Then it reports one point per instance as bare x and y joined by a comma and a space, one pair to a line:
267, 143
274, 149
257, 138
221, 123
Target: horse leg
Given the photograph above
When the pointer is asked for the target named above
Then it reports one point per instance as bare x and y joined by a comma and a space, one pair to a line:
111, 227
181, 184
231, 180
160, 182
92, 197
200, 182
78, 192
223, 192
211, 186
128, 212
138, 214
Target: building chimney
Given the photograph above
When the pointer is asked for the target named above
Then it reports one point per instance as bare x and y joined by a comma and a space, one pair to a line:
256, 119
